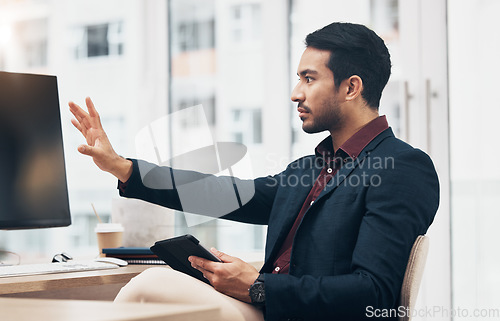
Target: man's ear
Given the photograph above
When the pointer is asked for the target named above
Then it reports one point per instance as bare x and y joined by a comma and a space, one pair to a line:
354, 88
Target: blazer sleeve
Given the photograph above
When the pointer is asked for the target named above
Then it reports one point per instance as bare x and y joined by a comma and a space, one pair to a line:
397, 211
227, 197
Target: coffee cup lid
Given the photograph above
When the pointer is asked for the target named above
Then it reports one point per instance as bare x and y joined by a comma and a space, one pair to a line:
109, 227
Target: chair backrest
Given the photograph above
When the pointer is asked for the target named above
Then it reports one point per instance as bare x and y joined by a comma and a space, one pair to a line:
413, 275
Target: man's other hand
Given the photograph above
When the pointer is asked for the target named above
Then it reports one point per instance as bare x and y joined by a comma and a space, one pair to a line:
232, 277
98, 145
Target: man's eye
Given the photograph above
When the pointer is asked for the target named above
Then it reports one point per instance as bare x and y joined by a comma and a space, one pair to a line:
307, 78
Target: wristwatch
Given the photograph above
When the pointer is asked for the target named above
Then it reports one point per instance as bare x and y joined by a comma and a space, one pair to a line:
257, 292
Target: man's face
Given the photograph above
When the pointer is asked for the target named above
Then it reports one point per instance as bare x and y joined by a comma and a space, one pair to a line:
316, 94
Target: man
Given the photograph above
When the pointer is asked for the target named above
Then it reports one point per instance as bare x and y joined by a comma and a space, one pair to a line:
338, 242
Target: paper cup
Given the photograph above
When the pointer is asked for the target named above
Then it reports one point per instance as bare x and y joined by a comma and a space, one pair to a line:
109, 235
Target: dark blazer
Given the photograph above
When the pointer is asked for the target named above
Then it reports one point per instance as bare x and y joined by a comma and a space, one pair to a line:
351, 249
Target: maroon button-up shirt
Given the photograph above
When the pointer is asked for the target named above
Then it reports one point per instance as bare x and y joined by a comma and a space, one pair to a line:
333, 160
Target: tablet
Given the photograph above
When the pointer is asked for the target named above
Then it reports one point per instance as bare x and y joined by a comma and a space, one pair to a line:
175, 252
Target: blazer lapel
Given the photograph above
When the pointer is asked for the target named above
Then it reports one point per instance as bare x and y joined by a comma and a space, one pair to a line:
289, 210
348, 167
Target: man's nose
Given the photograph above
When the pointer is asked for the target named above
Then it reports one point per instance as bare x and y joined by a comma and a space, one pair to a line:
297, 94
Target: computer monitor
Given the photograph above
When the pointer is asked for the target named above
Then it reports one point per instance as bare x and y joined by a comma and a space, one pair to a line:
33, 186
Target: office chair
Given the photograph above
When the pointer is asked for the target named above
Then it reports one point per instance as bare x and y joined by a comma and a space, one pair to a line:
413, 275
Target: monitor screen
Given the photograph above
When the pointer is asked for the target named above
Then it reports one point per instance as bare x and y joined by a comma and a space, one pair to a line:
33, 188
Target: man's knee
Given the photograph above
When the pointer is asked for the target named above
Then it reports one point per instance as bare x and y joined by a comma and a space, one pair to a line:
160, 284
155, 273
142, 286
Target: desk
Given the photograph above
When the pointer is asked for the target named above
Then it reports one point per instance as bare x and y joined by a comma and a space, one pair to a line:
17, 301
88, 285
64, 310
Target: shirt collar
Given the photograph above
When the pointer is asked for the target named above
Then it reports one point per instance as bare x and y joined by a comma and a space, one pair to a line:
355, 144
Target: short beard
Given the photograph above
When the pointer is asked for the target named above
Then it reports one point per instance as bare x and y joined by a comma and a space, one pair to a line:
332, 121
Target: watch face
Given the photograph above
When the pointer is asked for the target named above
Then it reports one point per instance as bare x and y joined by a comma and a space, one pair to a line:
257, 292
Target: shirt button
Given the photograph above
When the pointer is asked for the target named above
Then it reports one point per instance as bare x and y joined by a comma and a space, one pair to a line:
277, 269
312, 202
329, 171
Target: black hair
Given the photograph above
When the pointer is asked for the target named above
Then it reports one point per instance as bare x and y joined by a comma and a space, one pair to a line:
355, 50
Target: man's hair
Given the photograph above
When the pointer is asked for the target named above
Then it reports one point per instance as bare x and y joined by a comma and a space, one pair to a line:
355, 50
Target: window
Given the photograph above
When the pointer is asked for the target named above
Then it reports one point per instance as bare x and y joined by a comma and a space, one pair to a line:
190, 119
196, 35
245, 23
247, 126
99, 40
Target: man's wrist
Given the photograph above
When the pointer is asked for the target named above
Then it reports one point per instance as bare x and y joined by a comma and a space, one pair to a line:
123, 170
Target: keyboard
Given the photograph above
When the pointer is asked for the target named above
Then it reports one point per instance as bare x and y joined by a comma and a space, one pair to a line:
49, 268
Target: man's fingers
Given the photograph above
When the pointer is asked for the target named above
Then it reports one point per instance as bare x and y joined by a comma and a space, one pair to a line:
80, 126
81, 116
86, 150
222, 256
77, 110
206, 273
199, 264
77, 125
77, 114
86, 124
91, 107
92, 111
205, 266
88, 120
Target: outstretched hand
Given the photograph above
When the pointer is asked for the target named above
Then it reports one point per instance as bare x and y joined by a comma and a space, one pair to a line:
98, 145
232, 277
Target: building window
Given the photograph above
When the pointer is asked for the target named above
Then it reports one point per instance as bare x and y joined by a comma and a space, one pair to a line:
191, 25
196, 35
245, 23
98, 40
190, 119
247, 126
